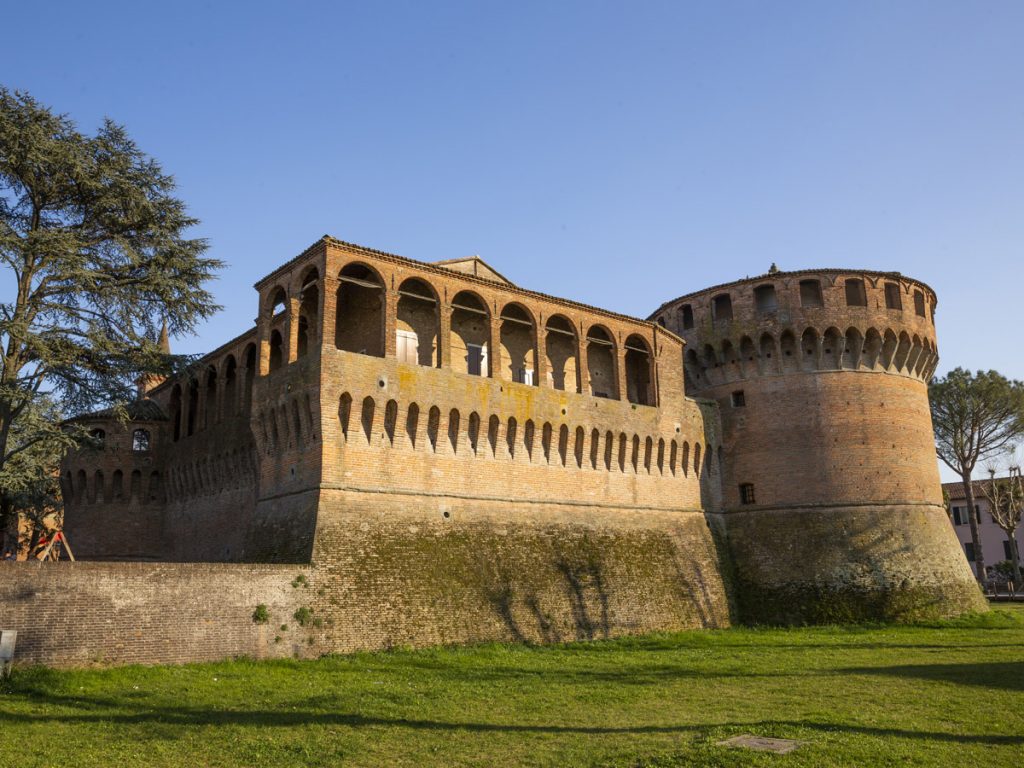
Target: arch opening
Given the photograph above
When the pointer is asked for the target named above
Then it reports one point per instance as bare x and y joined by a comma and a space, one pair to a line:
359, 325
418, 324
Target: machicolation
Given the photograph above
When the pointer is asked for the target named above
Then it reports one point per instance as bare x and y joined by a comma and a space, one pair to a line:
447, 457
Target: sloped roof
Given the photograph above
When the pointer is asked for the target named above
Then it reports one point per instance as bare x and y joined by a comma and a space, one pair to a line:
474, 265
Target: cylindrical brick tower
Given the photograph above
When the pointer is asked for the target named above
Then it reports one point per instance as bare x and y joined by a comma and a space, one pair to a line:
831, 499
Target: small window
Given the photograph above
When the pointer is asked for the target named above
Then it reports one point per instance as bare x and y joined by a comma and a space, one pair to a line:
764, 299
687, 316
739, 400
98, 436
856, 296
475, 355
721, 307
959, 518
747, 493
140, 440
919, 303
810, 293
892, 296
523, 376
661, 321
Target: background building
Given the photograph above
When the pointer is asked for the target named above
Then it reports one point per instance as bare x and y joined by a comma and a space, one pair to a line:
995, 543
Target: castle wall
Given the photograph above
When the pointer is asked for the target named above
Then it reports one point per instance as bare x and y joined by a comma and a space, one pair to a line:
389, 570
449, 458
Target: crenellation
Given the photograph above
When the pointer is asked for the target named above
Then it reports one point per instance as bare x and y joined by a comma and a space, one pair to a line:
438, 449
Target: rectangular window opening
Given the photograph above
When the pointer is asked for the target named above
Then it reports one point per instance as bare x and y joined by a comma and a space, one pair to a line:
919, 303
810, 293
856, 295
892, 297
687, 313
739, 400
747, 493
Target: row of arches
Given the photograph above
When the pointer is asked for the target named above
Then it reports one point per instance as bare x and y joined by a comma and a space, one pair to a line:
277, 309
546, 443
79, 488
229, 471
873, 350
413, 324
287, 426
212, 394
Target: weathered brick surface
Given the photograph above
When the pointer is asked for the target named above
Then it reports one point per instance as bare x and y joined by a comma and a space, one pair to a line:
446, 457
825, 418
73, 614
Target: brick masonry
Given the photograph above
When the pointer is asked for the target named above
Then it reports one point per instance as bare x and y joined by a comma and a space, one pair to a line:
448, 458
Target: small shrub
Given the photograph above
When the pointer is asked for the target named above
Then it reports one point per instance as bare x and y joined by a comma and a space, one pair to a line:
299, 581
318, 622
284, 627
304, 615
261, 615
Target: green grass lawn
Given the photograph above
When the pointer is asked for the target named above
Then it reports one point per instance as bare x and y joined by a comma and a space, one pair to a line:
950, 694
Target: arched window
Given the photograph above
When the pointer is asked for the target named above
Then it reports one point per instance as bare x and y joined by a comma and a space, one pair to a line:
210, 399
250, 375
470, 334
276, 350
359, 326
140, 440
601, 363
418, 324
309, 312
518, 339
230, 386
639, 378
176, 412
560, 347
193, 405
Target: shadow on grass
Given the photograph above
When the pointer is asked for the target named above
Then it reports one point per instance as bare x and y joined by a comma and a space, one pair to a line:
1008, 675
187, 717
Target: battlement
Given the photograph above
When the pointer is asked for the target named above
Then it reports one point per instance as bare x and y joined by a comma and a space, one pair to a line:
438, 438
783, 323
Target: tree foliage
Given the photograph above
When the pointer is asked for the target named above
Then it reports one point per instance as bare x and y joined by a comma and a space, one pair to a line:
1006, 501
93, 258
976, 417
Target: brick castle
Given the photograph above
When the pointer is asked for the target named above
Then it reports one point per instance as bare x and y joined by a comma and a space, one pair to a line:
421, 453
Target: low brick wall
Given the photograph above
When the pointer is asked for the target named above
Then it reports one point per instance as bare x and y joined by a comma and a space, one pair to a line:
74, 614
384, 577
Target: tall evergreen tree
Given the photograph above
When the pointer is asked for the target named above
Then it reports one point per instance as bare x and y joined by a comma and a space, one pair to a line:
93, 258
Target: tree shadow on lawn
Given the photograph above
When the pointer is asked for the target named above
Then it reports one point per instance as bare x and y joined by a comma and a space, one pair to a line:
1007, 675
194, 717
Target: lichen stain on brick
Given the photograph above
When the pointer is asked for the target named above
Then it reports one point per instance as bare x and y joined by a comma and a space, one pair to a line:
446, 458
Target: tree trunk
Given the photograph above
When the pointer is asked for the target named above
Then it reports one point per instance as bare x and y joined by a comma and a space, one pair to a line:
6, 518
1014, 557
972, 515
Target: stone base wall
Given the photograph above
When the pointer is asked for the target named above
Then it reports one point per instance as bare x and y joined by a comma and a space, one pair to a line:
385, 572
844, 564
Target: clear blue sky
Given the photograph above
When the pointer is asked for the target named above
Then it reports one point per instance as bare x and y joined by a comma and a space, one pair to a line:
620, 154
